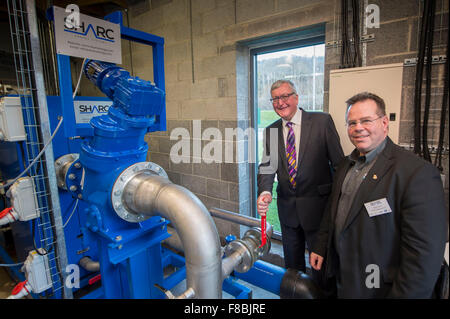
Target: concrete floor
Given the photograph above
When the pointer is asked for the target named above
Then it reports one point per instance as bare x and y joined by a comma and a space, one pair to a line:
6, 284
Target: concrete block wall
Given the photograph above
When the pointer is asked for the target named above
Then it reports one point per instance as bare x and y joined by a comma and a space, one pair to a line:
207, 75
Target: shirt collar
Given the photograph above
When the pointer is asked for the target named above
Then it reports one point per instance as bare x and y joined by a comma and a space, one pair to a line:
370, 156
296, 119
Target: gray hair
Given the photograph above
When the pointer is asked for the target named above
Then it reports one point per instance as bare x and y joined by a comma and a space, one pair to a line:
279, 83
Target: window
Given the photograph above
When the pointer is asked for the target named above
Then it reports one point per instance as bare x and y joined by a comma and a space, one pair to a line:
301, 62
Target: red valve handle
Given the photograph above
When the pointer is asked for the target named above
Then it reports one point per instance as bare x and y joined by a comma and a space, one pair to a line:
263, 231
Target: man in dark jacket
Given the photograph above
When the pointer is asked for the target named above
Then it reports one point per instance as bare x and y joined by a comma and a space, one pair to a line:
301, 148
385, 226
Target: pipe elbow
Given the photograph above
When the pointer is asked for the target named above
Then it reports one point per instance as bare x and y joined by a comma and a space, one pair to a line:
155, 195
88, 264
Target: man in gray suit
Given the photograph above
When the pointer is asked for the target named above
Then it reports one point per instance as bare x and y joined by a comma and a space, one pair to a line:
301, 148
385, 227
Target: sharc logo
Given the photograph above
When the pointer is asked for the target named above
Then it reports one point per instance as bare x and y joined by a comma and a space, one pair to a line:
73, 24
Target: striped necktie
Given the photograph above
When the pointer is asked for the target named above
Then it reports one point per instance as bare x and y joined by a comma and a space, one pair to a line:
291, 155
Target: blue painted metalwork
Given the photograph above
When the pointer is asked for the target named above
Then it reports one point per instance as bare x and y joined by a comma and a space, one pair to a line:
177, 261
130, 253
157, 44
264, 275
237, 290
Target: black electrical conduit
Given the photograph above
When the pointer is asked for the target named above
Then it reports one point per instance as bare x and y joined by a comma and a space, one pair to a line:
440, 148
418, 83
350, 58
429, 47
425, 49
357, 61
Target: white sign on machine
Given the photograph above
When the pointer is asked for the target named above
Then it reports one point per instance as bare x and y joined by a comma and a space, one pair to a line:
85, 110
88, 37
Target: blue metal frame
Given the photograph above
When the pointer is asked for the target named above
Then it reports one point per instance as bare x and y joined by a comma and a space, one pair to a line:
94, 229
264, 275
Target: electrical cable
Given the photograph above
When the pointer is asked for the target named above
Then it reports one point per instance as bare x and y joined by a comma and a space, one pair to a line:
11, 265
36, 158
79, 79
344, 48
418, 82
71, 214
440, 148
356, 34
33, 232
429, 48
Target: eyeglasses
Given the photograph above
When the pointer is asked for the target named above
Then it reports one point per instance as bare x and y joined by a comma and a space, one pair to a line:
284, 98
365, 123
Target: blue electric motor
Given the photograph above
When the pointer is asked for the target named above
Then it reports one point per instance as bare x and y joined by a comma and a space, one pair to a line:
118, 142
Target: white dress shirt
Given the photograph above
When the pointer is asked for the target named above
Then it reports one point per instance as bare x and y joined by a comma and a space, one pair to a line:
297, 122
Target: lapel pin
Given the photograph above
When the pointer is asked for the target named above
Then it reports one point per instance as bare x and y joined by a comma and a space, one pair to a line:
375, 176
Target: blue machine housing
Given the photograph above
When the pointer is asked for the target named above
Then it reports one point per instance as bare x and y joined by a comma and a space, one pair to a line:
127, 251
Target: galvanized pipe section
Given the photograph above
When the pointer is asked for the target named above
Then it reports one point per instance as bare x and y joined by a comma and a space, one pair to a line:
41, 104
152, 195
240, 219
88, 264
174, 240
230, 262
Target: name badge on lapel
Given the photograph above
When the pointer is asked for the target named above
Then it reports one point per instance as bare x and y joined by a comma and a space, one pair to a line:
378, 207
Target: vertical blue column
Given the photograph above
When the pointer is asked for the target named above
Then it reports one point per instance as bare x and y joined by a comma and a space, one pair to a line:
65, 88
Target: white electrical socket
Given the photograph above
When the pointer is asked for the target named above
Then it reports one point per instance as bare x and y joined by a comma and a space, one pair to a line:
23, 199
37, 271
11, 120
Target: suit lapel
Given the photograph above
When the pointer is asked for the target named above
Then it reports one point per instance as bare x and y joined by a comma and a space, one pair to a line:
339, 180
374, 176
281, 146
304, 137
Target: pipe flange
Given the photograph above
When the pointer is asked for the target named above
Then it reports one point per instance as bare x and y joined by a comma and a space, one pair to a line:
116, 194
62, 166
248, 259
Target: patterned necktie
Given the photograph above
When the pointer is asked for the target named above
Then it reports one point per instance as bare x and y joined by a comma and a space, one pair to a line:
291, 155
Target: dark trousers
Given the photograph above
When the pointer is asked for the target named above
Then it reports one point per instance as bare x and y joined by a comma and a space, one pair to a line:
295, 240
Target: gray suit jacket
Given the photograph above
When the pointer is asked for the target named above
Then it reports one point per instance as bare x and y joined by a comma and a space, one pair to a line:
406, 246
319, 152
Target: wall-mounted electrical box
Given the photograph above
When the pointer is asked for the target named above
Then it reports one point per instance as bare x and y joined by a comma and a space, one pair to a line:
23, 199
382, 80
11, 120
37, 271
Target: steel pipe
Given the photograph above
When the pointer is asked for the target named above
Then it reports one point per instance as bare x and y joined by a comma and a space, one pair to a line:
151, 195
88, 264
240, 219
